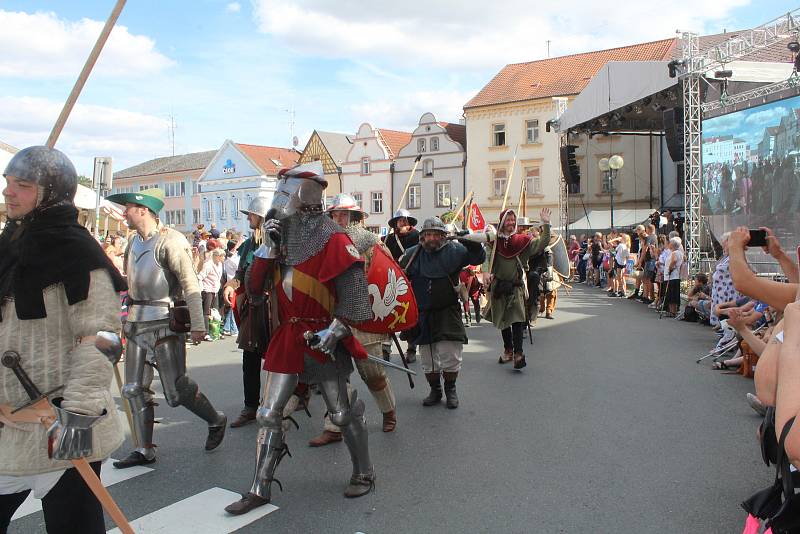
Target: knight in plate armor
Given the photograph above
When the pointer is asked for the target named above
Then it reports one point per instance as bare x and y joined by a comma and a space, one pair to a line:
319, 290
162, 285
348, 214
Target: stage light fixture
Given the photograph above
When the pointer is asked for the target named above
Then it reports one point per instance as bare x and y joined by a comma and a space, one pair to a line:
722, 74
797, 63
793, 46
638, 110
646, 101
628, 108
673, 67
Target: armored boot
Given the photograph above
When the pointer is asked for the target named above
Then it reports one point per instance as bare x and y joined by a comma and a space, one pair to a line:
143, 419
435, 396
271, 450
450, 389
362, 481
217, 422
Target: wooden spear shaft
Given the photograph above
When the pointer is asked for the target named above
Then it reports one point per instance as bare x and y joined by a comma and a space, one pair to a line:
87, 69
408, 183
461, 207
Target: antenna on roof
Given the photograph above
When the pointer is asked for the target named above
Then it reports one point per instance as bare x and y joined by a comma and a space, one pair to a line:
548, 47
290, 111
171, 128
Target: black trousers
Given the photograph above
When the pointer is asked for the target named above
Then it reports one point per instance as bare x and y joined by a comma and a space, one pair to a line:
512, 337
68, 508
251, 378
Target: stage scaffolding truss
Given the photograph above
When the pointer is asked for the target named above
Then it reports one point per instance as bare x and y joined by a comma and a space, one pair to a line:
695, 64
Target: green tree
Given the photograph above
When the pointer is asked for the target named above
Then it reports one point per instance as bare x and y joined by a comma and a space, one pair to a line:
85, 180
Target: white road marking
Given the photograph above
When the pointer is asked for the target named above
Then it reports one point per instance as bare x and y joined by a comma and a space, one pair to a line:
108, 476
202, 513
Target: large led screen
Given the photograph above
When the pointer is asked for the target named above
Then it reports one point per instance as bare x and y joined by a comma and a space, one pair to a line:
751, 160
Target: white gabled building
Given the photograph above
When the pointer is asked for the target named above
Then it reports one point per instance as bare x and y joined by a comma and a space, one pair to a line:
237, 174
367, 172
439, 180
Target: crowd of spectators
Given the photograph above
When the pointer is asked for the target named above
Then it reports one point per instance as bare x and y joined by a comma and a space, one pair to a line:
655, 264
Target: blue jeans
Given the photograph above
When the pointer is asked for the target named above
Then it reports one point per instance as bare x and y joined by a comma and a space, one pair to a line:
230, 323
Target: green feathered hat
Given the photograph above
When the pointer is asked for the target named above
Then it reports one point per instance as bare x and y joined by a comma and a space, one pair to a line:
149, 198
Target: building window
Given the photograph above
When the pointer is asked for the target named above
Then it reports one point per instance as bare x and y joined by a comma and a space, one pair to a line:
427, 167
174, 189
533, 180
499, 134
421, 145
235, 207
364, 165
207, 204
147, 186
174, 218
374, 229
377, 201
414, 200
195, 215
443, 195
249, 199
606, 182
434, 144
532, 131
221, 205
195, 187
498, 182
118, 190
574, 188
358, 197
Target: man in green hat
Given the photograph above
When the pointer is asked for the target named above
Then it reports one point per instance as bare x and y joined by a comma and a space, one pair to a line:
158, 264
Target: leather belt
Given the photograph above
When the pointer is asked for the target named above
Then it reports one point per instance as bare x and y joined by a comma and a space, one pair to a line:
149, 303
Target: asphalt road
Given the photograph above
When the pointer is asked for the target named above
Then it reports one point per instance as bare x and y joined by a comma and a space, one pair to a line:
612, 427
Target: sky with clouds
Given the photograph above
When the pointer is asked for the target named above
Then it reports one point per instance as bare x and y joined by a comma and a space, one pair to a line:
225, 69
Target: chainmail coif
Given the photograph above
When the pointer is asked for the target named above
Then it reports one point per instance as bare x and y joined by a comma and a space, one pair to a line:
304, 235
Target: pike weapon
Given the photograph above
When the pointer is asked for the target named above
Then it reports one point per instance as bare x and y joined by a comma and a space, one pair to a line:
408, 182
402, 358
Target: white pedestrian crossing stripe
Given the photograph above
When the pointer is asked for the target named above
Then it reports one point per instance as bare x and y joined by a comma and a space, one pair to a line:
108, 475
201, 513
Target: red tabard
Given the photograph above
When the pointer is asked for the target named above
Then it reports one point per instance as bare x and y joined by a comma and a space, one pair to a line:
310, 307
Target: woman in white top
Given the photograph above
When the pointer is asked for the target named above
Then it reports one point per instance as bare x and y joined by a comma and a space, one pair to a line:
210, 280
672, 275
621, 255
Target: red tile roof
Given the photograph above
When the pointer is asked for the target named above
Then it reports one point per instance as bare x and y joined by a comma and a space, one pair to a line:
457, 132
393, 140
262, 156
561, 76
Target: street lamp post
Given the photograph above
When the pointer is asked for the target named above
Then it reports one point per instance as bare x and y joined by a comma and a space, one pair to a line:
610, 167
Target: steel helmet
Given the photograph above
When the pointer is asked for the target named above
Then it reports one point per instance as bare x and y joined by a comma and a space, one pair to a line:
258, 206
345, 202
402, 213
433, 224
48, 168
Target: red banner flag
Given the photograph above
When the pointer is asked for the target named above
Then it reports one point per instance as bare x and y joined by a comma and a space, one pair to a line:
476, 221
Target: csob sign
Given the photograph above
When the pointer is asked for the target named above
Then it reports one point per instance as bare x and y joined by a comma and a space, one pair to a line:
229, 167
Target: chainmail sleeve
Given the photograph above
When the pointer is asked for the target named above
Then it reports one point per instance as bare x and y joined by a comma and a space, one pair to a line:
352, 298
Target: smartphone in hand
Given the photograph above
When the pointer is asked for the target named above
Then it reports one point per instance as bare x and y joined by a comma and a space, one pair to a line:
758, 238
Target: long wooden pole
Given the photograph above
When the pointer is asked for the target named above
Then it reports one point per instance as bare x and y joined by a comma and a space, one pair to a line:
461, 207
84, 75
505, 199
408, 182
522, 190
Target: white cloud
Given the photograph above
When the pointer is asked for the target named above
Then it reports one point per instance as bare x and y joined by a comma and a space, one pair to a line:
129, 137
41, 45
470, 35
233, 7
768, 117
404, 110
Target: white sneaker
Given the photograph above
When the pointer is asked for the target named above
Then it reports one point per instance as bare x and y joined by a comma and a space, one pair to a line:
207, 338
728, 335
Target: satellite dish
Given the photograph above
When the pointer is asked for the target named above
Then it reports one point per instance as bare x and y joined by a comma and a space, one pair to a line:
295, 141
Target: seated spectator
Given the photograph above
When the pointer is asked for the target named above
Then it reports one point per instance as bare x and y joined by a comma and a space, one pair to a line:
698, 305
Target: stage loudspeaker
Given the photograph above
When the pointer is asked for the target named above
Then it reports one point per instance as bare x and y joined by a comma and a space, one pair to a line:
673, 132
569, 166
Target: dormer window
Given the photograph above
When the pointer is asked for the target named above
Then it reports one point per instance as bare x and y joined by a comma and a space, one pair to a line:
434, 144
427, 167
364, 165
420, 145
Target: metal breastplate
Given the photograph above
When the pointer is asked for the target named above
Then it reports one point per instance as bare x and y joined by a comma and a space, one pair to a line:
146, 281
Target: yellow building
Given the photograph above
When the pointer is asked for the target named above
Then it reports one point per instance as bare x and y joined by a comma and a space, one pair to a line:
510, 114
